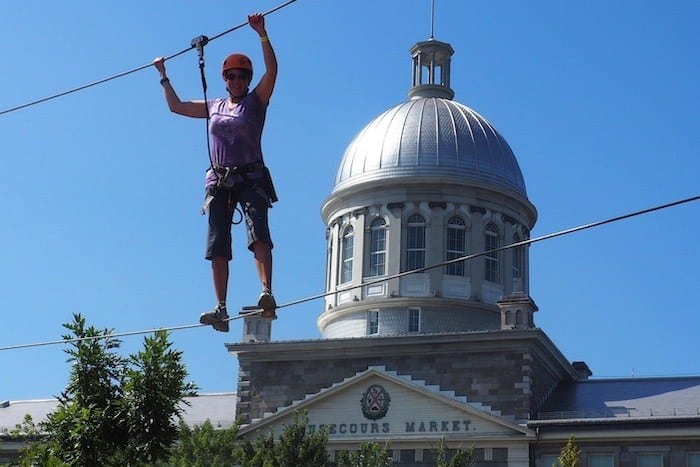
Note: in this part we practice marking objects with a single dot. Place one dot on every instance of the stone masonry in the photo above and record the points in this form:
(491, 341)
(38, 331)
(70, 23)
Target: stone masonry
(496, 368)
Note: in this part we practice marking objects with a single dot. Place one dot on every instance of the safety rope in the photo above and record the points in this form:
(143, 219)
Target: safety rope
(384, 279)
(199, 42)
(134, 70)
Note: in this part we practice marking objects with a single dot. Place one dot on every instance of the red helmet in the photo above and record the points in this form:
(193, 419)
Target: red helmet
(238, 61)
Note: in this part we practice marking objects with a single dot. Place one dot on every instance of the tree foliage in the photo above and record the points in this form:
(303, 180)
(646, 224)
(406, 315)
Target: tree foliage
(118, 411)
(370, 454)
(114, 410)
(154, 389)
(204, 446)
(458, 458)
(570, 454)
(296, 446)
(30, 433)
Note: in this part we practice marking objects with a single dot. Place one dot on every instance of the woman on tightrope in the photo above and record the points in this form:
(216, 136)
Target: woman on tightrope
(238, 174)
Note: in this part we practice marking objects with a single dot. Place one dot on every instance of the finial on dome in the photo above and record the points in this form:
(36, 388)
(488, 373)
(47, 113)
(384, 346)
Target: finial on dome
(431, 66)
(431, 70)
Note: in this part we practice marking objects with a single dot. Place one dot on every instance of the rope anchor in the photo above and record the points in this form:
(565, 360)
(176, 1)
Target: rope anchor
(199, 42)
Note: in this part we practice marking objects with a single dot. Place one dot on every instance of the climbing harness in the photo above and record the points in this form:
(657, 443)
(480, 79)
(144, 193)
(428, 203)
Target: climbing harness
(229, 177)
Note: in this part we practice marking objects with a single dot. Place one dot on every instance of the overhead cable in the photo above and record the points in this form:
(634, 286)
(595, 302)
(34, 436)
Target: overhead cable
(496, 250)
(384, 279)
(134, 70)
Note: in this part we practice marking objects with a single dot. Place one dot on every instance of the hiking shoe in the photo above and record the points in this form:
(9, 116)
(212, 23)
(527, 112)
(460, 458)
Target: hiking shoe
(218, 318)
(266, 302)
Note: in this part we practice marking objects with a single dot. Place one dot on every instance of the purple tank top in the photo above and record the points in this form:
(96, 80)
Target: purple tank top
(236, 131)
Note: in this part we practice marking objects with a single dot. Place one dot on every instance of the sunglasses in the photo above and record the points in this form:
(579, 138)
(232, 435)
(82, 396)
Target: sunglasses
(230, 76)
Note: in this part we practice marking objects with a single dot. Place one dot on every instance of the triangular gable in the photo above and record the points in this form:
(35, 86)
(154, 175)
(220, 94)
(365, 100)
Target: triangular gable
(377, 403)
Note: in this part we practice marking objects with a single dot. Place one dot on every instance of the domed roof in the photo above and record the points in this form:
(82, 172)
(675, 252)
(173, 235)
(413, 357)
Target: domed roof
(431, 137)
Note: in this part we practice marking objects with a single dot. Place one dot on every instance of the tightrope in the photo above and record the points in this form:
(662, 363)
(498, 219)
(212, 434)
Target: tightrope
(377, 281)
(133, 70)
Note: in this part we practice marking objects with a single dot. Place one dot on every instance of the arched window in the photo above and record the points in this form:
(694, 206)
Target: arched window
(456, 246)
(346, 255)
(415, 242)
(491, 258)
(377, 247)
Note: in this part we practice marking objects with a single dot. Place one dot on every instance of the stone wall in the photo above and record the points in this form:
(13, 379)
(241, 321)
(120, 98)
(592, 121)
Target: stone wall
(499, 375)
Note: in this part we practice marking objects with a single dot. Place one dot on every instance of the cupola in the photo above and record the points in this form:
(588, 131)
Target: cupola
(428, 180)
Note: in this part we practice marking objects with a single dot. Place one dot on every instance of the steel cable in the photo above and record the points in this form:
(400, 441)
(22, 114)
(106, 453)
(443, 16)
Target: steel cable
(384, 279)
(134, 70)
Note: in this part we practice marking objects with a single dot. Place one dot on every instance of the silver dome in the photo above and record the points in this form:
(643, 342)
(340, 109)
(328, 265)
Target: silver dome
(431, 136)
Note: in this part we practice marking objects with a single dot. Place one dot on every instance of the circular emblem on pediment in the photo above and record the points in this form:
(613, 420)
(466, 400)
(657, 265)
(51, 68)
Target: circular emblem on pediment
(375, 402)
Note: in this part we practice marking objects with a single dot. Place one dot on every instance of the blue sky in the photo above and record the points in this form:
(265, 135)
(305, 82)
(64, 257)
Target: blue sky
(100, 190)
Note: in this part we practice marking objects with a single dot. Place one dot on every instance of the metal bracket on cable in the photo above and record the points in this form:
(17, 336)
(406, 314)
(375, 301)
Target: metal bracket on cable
(199, 42)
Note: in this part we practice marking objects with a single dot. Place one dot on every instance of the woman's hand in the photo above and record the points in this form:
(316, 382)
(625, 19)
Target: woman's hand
(257, 22)
(159, 63)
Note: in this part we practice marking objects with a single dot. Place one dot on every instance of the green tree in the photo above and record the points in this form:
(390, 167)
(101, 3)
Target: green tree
(114, 410)
(458, 458)
(30, 433)
(296, 447)
(570, 454)
(370, 454)
(154, 392)
(204, 446)
(87, 427)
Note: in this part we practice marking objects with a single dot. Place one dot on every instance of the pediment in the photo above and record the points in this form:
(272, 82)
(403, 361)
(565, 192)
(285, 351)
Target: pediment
(377, 403)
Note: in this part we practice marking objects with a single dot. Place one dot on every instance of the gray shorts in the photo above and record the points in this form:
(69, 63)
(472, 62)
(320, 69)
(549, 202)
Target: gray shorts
(254, 207)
